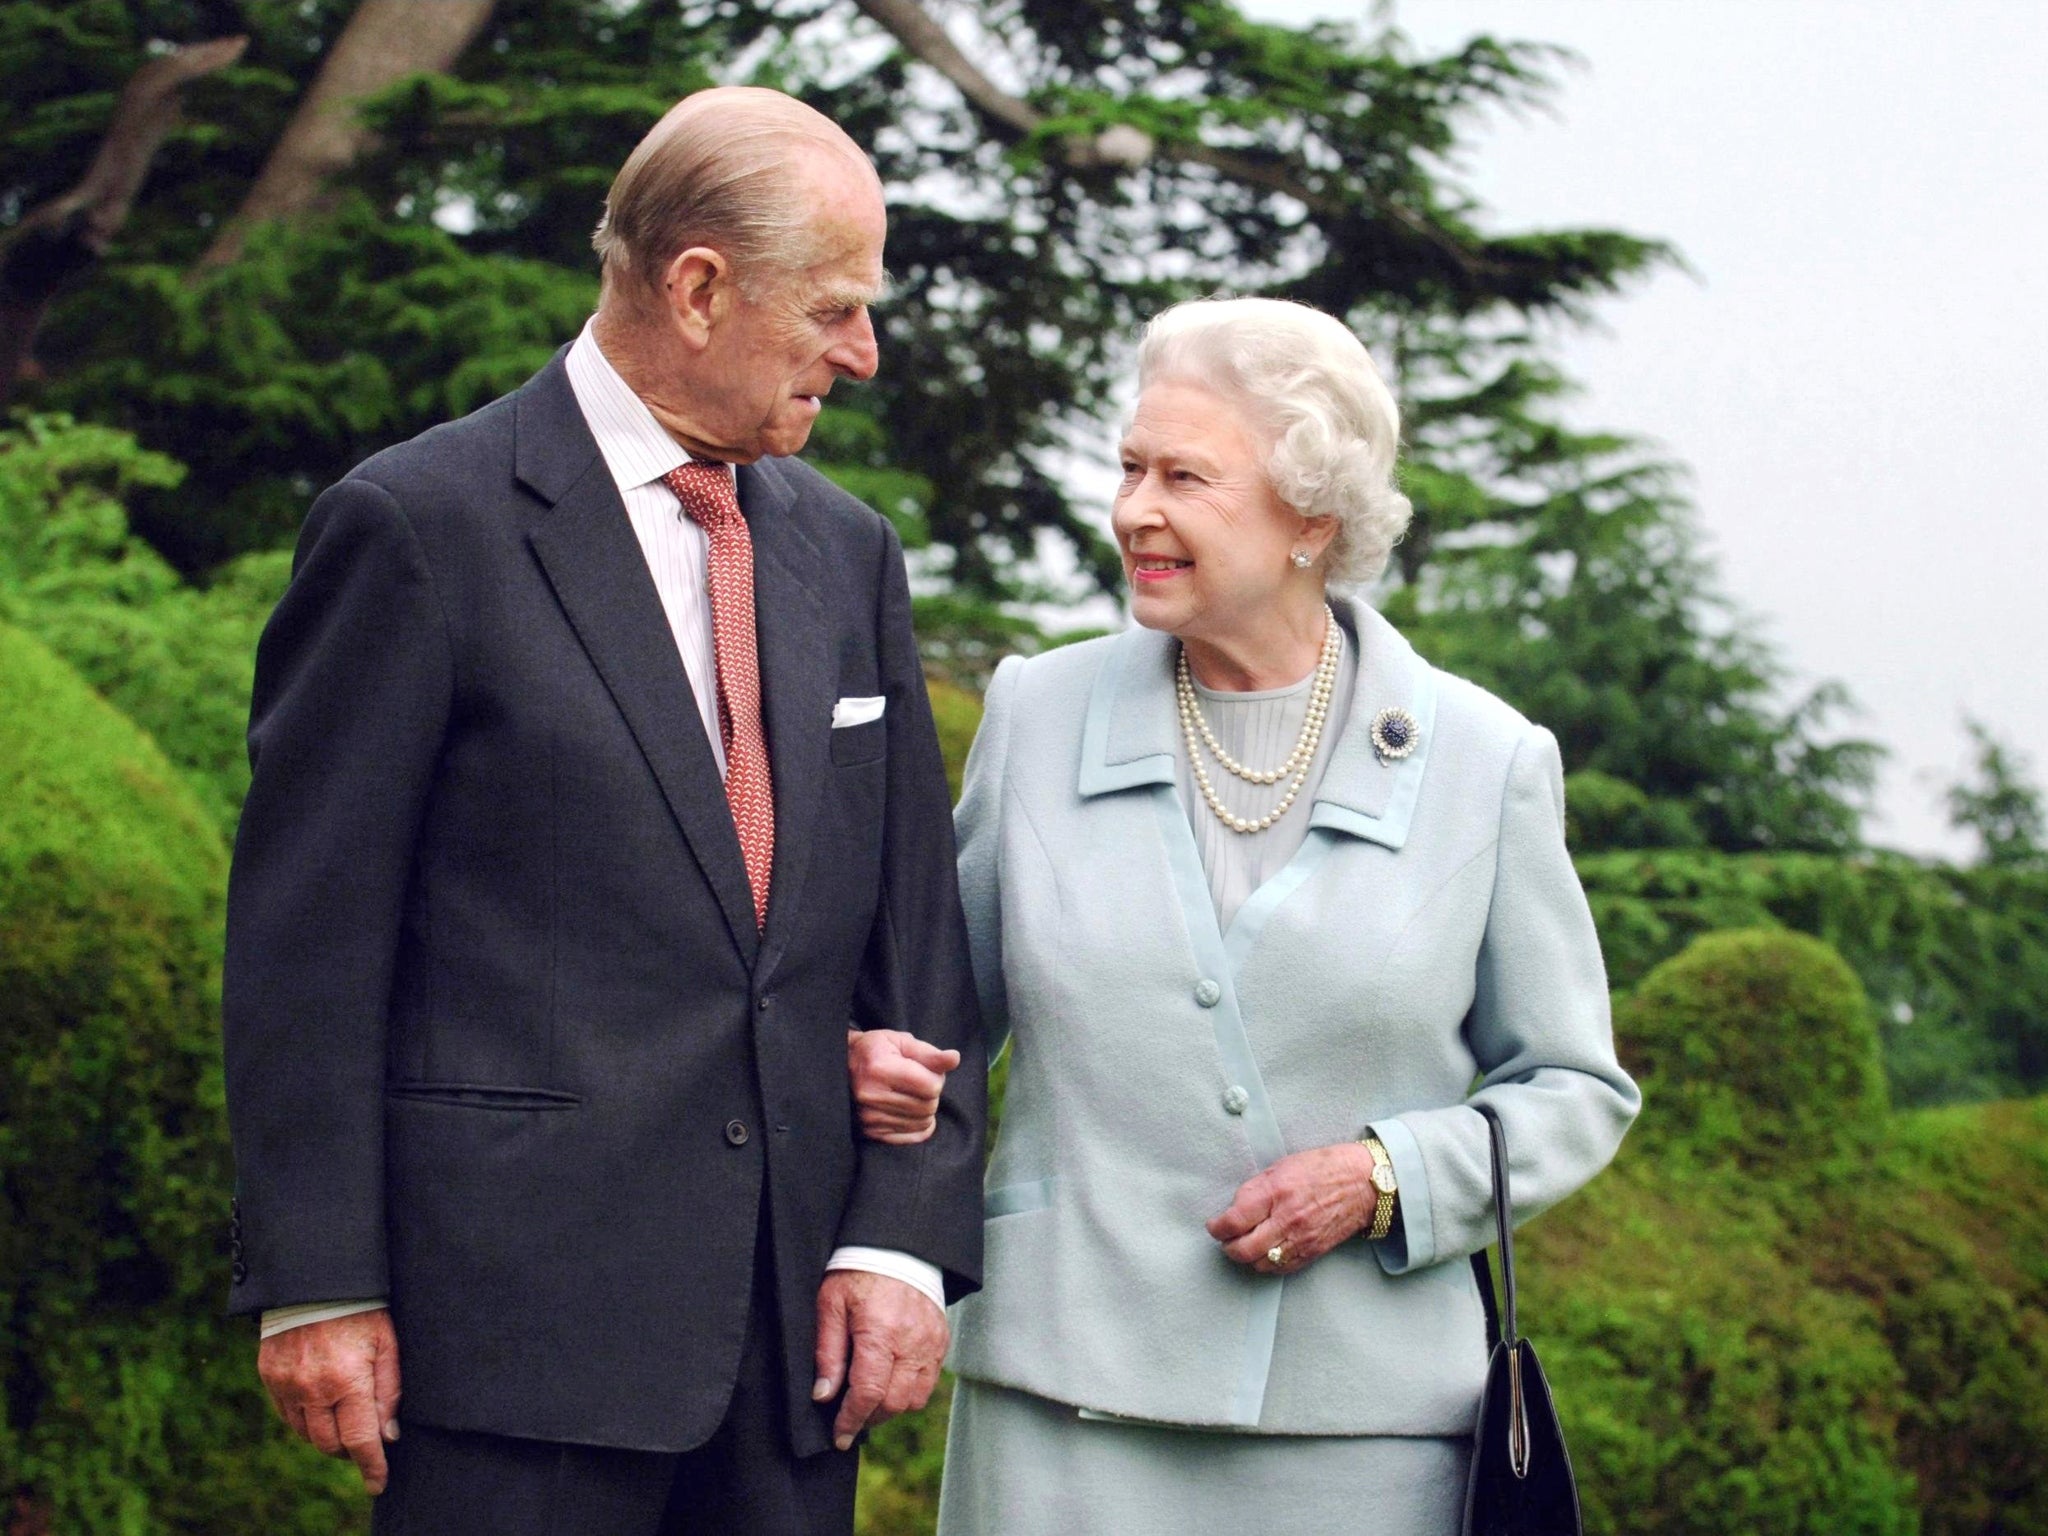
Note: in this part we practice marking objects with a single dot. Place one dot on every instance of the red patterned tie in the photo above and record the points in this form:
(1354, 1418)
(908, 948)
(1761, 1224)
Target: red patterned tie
(707, 494)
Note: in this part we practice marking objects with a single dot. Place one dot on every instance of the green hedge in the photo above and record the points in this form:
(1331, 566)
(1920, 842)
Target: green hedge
(1827, 1319)
(131, 1403)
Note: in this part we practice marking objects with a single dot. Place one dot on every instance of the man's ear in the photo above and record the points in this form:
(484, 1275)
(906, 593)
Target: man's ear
(698, 287)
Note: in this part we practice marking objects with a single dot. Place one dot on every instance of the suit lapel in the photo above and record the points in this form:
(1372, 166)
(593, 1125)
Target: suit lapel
(798, 680)
(586, 547)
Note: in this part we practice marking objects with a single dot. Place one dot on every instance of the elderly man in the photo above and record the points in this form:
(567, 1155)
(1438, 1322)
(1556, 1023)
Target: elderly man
(595, 793)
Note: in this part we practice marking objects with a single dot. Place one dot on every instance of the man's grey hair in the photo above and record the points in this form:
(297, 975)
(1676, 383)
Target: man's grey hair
(718, 170)
(1306, 379)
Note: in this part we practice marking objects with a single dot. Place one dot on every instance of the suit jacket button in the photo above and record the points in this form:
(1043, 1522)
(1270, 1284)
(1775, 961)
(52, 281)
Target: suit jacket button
(1235, 1100)
(736, 1133)
(240, 1271)
(1207, 993)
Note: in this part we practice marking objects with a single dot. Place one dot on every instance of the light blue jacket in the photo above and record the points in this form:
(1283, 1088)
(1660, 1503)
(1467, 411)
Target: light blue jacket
(1428, 944)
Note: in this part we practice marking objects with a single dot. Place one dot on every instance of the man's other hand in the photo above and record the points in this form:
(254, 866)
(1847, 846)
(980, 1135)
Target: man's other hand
(336, 1384)
(897, 1338)
(897, 1080)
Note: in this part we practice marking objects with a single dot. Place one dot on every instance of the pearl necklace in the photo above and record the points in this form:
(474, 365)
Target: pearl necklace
(1299, 761)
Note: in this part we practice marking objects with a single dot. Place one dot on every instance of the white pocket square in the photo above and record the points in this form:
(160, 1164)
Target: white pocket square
(857, 711)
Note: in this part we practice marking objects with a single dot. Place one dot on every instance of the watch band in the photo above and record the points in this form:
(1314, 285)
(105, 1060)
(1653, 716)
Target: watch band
(1389, 1195)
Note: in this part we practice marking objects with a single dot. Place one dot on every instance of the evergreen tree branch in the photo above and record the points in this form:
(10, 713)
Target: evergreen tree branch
(384, 42)
(72, 231)
(1127, 147)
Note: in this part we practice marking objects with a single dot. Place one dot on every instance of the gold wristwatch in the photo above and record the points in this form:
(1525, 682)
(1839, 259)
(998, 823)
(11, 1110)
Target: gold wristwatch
(1382, 1180)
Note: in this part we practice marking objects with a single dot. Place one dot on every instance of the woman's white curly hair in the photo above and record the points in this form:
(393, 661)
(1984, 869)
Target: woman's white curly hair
(1310, 382)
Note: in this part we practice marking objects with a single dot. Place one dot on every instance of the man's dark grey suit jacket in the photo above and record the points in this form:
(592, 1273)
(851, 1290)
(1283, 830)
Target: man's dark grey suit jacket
(502, 1041)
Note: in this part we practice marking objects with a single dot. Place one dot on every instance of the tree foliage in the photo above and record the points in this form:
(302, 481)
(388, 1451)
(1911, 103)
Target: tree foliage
(1956, 960)
(1999, 804)
(1307, 162)
(175, 656)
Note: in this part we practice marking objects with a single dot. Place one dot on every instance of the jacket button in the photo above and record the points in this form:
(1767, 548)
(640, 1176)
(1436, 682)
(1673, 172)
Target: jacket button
(240, 1271)
(1235, 1100)
(736, 1133)
(763, 1004)
(1207, 993)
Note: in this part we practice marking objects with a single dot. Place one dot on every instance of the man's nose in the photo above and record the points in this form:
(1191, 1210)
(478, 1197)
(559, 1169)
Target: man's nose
(857, 356)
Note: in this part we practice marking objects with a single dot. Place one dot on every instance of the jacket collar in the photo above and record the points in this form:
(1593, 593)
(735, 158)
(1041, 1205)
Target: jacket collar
(1132, 731)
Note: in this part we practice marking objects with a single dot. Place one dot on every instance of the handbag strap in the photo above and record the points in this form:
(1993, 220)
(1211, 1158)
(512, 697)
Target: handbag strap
(1502, 1206)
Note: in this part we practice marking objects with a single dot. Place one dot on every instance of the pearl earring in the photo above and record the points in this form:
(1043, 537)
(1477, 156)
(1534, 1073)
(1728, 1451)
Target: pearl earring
(1303, 559)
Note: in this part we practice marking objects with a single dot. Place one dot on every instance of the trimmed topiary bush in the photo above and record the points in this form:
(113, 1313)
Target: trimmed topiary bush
(1755, 1046)
(131, 1404)
(1955, 960)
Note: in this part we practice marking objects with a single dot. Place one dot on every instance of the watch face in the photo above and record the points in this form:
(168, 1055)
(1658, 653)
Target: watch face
(1383, 1178)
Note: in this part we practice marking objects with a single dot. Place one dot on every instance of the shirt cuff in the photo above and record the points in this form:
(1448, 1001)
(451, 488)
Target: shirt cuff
(279, 1319)
(897, 1266)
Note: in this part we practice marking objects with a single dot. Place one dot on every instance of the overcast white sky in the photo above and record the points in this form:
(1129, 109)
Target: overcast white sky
(1858, 373)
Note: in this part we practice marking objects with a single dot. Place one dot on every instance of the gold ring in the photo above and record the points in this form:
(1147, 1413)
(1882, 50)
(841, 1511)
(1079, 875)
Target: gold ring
(1277, 1255)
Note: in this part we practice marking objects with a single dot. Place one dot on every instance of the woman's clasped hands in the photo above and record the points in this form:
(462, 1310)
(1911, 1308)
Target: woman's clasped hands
(1298, 1209)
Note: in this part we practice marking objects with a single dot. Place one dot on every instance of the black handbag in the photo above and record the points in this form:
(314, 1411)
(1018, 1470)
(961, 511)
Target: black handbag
(1521, 1479)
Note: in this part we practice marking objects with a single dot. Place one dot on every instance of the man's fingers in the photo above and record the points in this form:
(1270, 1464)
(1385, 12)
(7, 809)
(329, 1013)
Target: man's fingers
(322, 1431)
(903, 1082)
(830, 1355)
(361, 1430)
(902, 1103)
(867, 1384)
(386, 1389)
(929, 1056)
(910, 1388)
(904, 1138)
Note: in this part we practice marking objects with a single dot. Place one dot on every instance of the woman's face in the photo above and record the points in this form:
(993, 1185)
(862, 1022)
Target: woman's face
(1207, 544)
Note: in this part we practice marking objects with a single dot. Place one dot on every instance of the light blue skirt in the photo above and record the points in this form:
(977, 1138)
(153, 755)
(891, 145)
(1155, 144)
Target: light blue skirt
(1019, 1465)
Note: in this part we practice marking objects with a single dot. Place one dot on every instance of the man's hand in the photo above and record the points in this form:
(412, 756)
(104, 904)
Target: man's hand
(897, 1338)
(897, 1080)
(336, 1384)
(1304, 1205)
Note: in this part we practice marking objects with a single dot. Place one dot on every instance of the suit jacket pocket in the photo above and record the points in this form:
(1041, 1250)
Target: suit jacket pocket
(859, 743)
(484, 1096)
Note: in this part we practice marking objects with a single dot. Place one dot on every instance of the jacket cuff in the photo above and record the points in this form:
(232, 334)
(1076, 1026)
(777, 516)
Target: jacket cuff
(1412, 1243)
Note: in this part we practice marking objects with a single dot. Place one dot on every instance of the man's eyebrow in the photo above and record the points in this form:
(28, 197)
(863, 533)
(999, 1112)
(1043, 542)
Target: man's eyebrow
(860, 295)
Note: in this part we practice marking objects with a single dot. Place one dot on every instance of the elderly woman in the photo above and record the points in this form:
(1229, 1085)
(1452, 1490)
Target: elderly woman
(1266, 904)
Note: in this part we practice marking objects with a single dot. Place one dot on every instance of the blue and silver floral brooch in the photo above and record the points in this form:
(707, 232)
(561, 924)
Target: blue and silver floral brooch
(1394, 734)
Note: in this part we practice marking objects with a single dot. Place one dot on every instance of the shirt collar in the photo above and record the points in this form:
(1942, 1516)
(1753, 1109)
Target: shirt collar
(636, 448)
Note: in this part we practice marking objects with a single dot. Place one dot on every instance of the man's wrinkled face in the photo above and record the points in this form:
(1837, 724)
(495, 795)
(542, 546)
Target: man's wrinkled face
(798, 332)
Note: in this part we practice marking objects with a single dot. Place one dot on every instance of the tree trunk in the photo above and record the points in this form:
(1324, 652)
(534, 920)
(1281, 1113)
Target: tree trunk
(71, 232)
(383, 43)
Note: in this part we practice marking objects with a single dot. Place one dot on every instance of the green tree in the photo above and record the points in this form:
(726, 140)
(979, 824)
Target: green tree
(1999, 804)
(1134, 154)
